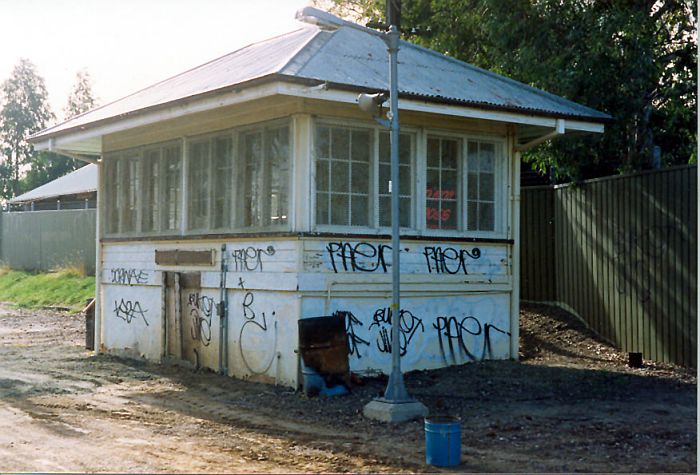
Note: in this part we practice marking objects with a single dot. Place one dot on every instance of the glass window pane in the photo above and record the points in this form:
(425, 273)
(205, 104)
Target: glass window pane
(360, 178)
(405, 212)
(405, 180)
(199, 185)
(449, 154)
(360, 146)
(486, 187)
(276, 205)
(384, 147)
(448, 215)
(322, 208)
(473, 157)
(449, 185)
(223, 182)
(384, 178)
(360, 211)
(472, 186)
(323, 142)
(322, 182)
(433, 152)
(433, 183)
(385, 211)
(172, 195)
(432, 214)
(472, 215)
(340, 144)
(340, 177)
(487, 158)
(486, 216)
(405, 149)
(339, 209)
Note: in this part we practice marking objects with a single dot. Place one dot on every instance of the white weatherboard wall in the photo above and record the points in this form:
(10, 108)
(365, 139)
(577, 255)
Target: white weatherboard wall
(455, 302)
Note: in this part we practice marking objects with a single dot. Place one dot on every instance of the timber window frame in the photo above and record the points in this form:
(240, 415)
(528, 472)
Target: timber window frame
(373, 190)
(195, 185)
(454, 180)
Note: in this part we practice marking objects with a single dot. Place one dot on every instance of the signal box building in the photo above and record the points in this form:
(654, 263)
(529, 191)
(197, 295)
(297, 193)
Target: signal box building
(250, 192)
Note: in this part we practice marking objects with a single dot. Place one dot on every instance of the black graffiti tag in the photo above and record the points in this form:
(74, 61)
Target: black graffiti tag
(201, 310)
(249, 313)
(250, 258)
(454, 330)
(127, 310)
(448, 260)
(353, 338)
(359, 257)
(128, 276)
(409, 324)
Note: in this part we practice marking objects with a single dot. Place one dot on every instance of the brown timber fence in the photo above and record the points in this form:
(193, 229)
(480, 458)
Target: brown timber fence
(621, 253)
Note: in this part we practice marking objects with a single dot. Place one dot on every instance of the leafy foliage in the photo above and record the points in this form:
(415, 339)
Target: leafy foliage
(81, 98)
(634, 59)
(25, 110)
(47, 166)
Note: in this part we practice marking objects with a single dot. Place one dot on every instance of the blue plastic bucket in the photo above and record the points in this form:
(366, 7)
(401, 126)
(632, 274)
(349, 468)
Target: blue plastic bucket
(443, 444)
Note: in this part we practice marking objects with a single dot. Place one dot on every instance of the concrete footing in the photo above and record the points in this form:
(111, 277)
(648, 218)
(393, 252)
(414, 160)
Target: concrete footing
(390, 411)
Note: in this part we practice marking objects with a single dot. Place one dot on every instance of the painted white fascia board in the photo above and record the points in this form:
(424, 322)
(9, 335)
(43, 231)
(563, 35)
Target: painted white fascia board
(194, 106)
(75, 141)
(350, 97)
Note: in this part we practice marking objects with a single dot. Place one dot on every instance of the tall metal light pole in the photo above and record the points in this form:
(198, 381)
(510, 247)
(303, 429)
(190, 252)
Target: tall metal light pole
(396, 405)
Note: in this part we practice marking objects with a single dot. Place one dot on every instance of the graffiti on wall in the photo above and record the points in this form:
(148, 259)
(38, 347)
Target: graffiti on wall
(369, 257)
(250, 259)
(358, 257)
(454, 333)
(409, 324)
(351, 326)
(128, 310)
(254, 320)
(201, 311)
(124, 276)
(448, 260)
(457, 339)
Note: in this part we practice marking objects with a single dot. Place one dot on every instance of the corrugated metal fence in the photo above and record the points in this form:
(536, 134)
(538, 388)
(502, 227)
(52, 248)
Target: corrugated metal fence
(621, 252)
(44, 240)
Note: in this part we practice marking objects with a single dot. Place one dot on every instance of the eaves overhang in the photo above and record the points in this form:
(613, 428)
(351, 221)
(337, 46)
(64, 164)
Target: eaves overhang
(86, 138)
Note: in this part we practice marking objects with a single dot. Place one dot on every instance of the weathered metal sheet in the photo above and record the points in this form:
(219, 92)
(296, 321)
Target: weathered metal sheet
(44, 240)
(82, 180)
(625, 258)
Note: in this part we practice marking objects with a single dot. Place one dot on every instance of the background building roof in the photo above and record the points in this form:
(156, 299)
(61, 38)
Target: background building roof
(82, 180)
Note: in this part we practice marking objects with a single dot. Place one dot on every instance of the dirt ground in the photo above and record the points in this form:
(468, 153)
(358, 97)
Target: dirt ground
(569, 405)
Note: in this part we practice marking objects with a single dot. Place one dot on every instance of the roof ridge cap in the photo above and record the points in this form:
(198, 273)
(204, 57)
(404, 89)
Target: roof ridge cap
(296, 53)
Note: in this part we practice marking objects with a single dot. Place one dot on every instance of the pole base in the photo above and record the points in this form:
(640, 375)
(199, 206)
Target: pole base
(392, 411)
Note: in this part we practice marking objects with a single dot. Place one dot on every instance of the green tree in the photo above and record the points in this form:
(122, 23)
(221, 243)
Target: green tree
(25, 110)
(81, 98)
(634, 59)
(47, 166)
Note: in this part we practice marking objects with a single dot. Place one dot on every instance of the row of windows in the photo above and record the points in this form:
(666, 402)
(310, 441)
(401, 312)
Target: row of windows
(344, 184)
(234, 180)
(240, 180)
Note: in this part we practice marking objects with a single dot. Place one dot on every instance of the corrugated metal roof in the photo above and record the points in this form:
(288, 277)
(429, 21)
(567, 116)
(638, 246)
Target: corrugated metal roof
(349, 57)
(82, 180)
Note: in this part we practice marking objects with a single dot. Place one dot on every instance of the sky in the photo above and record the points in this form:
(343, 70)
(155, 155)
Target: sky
(126, 45)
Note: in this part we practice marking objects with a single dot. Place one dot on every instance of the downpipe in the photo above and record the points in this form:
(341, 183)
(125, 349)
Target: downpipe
(222, 311)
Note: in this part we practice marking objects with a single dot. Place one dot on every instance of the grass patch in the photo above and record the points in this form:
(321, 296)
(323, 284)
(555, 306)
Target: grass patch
(67, 287)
